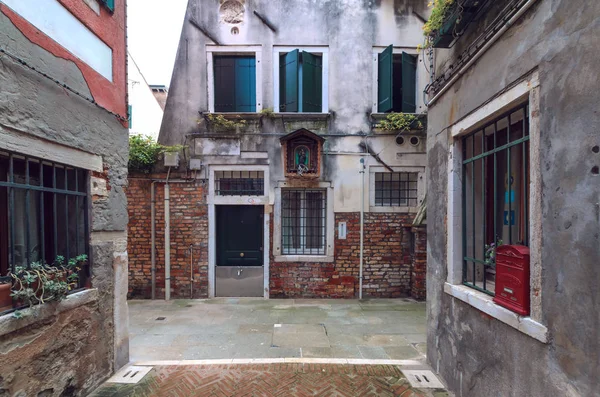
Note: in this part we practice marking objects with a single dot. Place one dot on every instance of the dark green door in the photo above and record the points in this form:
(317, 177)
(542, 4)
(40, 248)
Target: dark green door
(240, 235)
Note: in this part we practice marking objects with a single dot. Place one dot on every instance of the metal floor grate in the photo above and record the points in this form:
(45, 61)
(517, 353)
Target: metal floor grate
(130, 375)
(423, 379)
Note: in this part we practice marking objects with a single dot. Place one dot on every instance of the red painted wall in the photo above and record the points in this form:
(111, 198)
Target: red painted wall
(110, 28)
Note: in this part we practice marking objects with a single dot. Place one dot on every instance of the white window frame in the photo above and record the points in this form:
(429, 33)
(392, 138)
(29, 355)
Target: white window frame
(419, 75)
(329, 231)
(525, 90)
(324, 51)
(421, 186)
(212, 50)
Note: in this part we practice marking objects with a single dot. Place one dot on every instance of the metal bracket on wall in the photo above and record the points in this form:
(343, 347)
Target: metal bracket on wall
(204, 31)
(266, 22)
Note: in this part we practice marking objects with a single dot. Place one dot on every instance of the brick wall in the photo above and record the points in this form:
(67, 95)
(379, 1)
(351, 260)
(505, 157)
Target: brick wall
(387, 262)
(419, 263)
(189, 226)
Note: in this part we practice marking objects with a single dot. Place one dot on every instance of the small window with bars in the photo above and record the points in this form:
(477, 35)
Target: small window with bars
(303, 221)
(495, 195)
(43, 212)
(396, 189)
(239, 183)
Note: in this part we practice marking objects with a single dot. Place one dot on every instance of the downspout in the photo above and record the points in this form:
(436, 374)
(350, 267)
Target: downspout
(362, 221)
(153, 233)
(167, 239)
(482, 51)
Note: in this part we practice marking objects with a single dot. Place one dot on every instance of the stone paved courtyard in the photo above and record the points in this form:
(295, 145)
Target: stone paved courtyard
(244, 328)
(285, 380)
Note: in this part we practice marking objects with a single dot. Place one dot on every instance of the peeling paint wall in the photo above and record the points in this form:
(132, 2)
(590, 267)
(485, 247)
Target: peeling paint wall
(476, 354)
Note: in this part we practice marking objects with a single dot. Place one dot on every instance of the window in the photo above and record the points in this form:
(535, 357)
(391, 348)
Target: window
(495, 196)
(110, 4)
(235, 83)
(239, 183)
(396, 189)
(303, 216)
(396, 82)
(43, 211)
(300, 82)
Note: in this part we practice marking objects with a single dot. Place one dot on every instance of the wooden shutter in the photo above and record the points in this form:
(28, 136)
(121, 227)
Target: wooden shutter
(224, 68)
(110, 4)
(409, 83)
(312, 83)
(288, 81)
(385, 80)
(245, 84)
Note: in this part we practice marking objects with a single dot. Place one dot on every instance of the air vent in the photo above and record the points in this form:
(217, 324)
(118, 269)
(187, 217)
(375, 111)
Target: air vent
(130, 375)
(423, 379)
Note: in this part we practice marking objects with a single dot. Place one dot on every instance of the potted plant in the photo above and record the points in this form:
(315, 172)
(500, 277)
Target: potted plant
(5, 298)
(490, 253)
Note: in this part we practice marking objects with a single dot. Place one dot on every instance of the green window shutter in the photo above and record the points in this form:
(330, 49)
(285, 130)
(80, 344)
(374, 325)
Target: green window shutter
(245, 84)
(224, 70)
(312, 83)
(110, 4)
(288, 81)
(385, 80)
(409, 83)
(130, 115)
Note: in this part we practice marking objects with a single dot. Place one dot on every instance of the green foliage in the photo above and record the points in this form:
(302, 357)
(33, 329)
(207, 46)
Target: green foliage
(438, 14)
(267, 112)
(144, 152)
(41, 283)
(400, 122)
(220, 122)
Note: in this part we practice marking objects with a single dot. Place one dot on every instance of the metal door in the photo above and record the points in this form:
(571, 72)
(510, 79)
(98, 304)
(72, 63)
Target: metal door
(239, 259)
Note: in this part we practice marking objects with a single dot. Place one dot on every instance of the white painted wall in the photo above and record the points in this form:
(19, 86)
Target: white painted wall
(146, 112)
(59, 24)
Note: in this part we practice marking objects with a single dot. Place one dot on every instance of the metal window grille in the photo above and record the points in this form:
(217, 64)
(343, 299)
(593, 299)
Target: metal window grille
(303, 221)
(239, 183)
(495, 195)
(394, 189)
(43, 212)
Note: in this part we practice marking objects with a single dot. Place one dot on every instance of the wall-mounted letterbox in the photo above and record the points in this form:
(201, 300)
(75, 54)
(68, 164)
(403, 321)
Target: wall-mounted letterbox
(512, 278)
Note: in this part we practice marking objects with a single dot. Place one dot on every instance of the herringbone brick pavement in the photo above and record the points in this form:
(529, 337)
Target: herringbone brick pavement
(269, 380)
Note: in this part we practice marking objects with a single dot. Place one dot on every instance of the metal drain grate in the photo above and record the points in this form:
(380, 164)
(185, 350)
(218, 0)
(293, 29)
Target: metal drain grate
(160, 318)
(130, 375)
(423, 379)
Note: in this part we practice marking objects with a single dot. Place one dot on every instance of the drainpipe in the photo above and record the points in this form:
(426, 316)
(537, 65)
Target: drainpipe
(482, 51)
(153, 233)
(167, 239)
(362, 221)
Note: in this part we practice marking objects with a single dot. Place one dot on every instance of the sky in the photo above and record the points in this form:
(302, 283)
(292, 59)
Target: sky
(153, 30)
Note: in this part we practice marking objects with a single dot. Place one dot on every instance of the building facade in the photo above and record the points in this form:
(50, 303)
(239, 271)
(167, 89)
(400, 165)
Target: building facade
(145, 110)
(513, 143)
(63, 168)
(278, 105)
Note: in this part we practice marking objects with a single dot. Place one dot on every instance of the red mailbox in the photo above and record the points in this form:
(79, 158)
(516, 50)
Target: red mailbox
(512, 278)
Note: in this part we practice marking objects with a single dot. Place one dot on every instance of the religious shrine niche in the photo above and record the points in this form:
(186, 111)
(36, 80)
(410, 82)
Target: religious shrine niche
(302, 151)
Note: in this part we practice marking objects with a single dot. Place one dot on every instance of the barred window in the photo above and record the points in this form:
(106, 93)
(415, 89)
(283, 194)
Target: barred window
(43, 212)
(495, 196)
(303, 221)
(239, 183)
(393, 189)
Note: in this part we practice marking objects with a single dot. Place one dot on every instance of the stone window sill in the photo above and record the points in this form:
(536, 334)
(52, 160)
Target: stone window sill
(38, 313)
(398, 209)
(303, 258)
(484, 302)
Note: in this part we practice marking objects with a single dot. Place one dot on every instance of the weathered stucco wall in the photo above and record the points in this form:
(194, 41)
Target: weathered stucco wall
(73, 351)
(478, 355)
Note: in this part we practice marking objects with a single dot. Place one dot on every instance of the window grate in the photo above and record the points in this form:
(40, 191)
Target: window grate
(495, 194)
(239, 183)
(43, 212)
(393, 189)
(303, 221)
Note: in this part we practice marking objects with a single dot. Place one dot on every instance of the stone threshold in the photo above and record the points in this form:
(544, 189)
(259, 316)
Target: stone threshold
(293, 360)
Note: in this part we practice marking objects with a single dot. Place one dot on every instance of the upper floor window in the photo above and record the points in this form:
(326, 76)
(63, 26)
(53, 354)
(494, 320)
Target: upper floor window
(110, 4)
(301, 79)
(235, 83)
(396, 82)
(495, 196)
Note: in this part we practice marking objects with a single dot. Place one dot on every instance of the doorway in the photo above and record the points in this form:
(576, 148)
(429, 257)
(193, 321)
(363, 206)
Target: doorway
(239, 263)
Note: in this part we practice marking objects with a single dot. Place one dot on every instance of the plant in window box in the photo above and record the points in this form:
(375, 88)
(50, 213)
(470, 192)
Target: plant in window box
(490, 253)
(400, 122)
(42, 283)
(220, 123)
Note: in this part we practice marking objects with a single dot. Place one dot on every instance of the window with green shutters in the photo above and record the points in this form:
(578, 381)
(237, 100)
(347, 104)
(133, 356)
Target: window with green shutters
(396, 82)
(235, 83)
(110, 4)
(300, 82)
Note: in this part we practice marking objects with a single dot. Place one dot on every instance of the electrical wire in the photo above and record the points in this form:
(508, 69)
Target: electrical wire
(63, 85)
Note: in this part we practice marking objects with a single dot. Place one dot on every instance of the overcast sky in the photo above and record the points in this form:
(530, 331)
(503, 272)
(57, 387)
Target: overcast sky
(153, 30)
